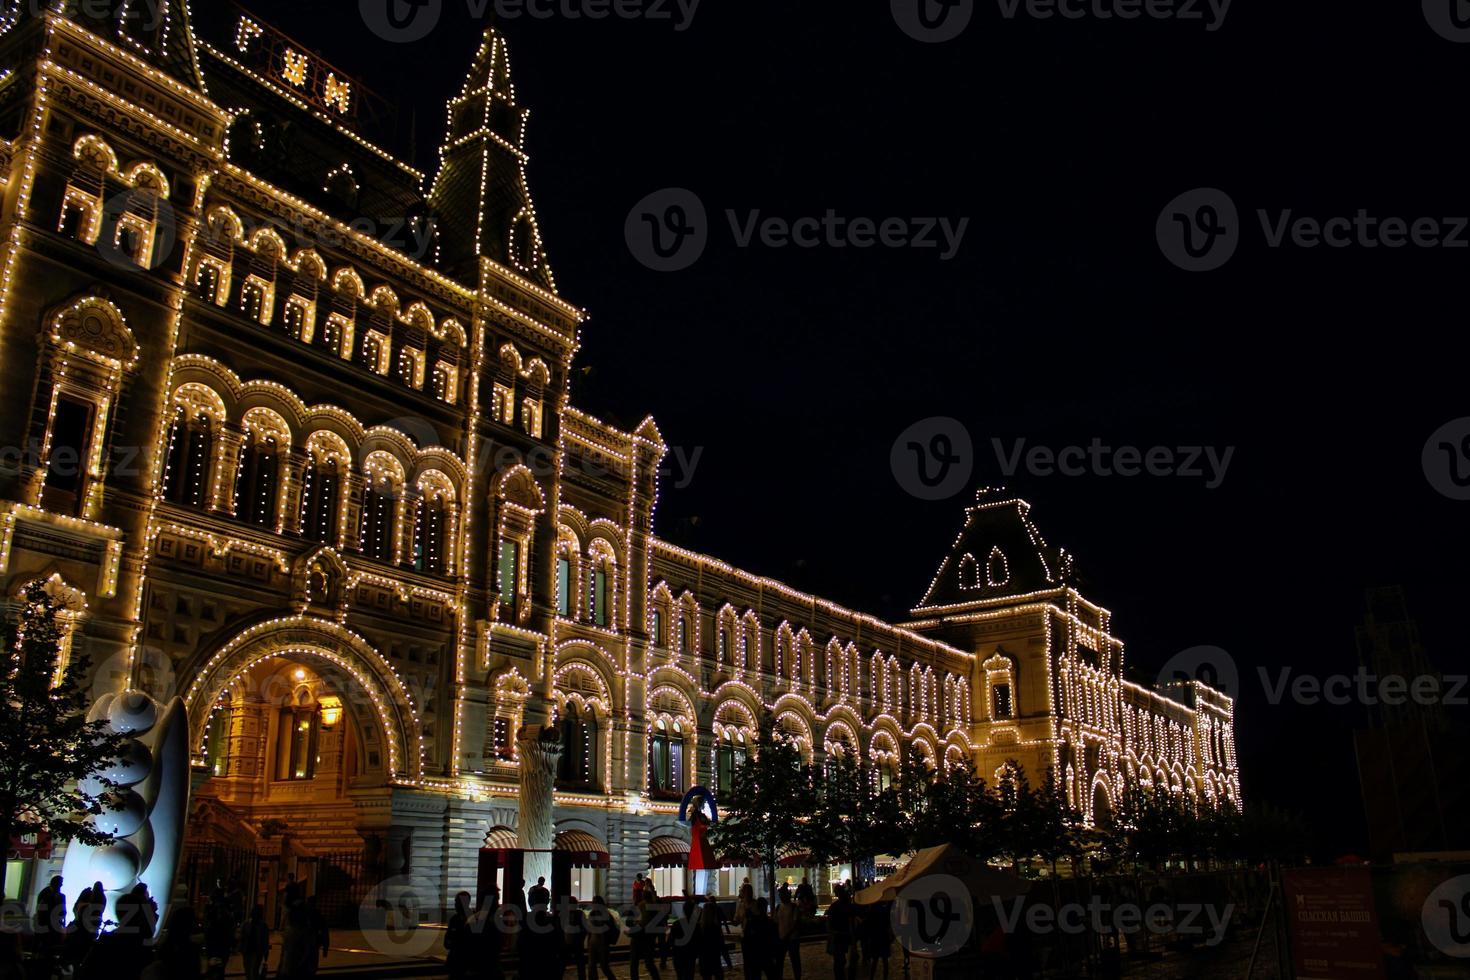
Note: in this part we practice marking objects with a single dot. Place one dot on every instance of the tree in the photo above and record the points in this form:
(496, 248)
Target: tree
(851, 818)
(47, 746)
(953, 807)
(760, 813)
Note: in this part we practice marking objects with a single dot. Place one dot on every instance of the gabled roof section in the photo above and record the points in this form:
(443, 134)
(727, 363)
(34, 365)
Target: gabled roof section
(997, 555)
(157, 31)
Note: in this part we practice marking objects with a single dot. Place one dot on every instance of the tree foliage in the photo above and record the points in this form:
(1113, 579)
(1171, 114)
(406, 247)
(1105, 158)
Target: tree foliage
(769, 792)
(47, 746)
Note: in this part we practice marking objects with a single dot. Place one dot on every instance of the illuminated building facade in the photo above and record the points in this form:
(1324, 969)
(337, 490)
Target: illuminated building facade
(296, 445)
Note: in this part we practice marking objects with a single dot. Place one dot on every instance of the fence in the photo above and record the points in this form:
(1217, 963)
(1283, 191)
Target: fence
(209, 865)
(341, 886)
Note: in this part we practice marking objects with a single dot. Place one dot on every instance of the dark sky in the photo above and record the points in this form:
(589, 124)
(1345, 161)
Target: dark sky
(1060, 320)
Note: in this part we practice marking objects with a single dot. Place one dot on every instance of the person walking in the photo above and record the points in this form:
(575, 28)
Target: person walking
(516, 897)
(788, 935)
(758, 943)
(539, 896)
(684, 938)
(457, 937)
(255, 944)
(743, 901)
(49, 925)
(575, 933)
(219, 934)
(179, 949)
(839, 933)
(644, 939)
(711, 941)
(877, 937)
(603, 933)
(86, 922)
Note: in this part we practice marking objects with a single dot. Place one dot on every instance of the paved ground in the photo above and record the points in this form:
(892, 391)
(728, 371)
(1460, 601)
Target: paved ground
(421, 953)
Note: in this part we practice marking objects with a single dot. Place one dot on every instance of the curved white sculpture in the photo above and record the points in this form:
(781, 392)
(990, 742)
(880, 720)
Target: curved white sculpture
(536, 831)
(148, 825)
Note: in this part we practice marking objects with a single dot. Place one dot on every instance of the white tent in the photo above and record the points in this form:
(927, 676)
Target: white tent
(979, 878)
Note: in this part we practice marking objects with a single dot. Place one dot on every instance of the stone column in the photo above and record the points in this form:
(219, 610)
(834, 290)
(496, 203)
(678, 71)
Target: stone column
(539, 754)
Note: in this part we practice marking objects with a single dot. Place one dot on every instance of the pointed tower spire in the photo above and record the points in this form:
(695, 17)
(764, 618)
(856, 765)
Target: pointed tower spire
(480, 193)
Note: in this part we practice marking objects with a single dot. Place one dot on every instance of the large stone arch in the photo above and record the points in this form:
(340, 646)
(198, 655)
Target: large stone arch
(375, 689)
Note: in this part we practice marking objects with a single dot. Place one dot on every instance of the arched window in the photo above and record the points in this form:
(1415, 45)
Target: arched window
(321, 489)
(666, 758)
(190, 451)
(730, 755)
(578, 763)
(379, 501)
(258, 479)
(600, 584)
(428, 552)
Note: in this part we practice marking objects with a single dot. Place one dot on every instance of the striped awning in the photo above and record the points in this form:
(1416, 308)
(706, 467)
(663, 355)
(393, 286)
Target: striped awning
(794, 857)
(501, 839)
(739, 861)
(668, 852)
(586, 851)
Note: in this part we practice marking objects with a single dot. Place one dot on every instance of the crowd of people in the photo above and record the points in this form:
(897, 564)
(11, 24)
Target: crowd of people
(193, 945)
(520, 927)
(692, 933)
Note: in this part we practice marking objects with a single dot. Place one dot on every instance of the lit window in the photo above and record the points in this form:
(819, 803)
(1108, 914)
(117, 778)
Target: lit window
(1002, 699)
(509, 560)
(563, 587)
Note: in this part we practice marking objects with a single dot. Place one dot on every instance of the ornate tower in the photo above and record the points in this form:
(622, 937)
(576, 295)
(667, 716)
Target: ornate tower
(480, 193)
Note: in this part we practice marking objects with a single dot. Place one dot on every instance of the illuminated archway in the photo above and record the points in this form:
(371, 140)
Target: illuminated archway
(368, 682)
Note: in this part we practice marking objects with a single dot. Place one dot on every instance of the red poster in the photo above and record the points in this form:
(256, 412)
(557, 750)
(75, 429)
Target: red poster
(27, 846)
(1334, 925)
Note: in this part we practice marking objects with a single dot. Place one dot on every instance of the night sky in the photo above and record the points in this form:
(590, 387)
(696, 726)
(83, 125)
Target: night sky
(792, 371)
